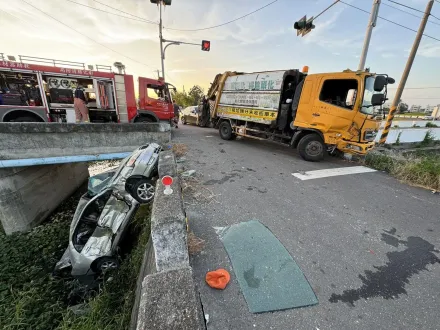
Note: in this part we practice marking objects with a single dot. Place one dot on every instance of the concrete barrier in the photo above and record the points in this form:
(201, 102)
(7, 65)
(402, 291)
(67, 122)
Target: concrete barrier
(39, 140)
(29, 194)
(166, 296)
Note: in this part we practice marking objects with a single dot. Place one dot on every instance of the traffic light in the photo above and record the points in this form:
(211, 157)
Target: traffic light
(304, 26)
(206, 45)
(165, 2)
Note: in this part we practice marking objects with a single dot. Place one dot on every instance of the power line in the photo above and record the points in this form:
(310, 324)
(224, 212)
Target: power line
(108, 12)
(35, 27)
(234, 20)
(416, 87)
(409, 7)
(124, 12)
(404, 11)
(415, 9)
(403, 26)
(84, 35)
(322, 12)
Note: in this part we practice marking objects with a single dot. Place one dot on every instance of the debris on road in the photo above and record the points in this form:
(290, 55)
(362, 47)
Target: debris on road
(188, 173)
(195, 244)
(180, 149)
(196, 191)
(218, 279)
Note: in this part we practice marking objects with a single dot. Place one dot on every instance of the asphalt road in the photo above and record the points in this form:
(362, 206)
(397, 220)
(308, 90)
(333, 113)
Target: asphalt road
(367, 243)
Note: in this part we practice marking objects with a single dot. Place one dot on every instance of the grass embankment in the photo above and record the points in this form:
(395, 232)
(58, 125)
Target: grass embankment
(31, 299)
(419, 169)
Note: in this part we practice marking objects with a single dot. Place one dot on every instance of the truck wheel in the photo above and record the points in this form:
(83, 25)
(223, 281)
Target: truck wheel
(225, 131)
(311, 148)
(145, 120)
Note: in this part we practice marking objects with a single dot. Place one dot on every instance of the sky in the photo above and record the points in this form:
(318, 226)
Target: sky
(262, 41)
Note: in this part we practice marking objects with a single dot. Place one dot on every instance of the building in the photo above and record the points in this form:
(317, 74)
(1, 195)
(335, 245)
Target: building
(415, 108)
(430, 109)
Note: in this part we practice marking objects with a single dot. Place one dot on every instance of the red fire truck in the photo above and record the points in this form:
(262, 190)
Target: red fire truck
(32, 92)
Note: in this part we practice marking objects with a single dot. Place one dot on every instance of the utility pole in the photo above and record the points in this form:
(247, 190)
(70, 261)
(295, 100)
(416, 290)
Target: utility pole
(206, 44)
(370, 26)
(405, 74)
(162, 57)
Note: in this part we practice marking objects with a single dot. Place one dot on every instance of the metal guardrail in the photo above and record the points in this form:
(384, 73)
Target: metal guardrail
(32, 59)
(103, 68)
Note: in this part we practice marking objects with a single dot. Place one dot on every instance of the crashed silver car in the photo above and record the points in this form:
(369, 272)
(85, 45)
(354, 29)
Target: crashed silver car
(105, 211)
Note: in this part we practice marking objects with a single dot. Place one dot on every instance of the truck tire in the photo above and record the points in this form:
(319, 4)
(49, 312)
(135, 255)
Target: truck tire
(311, 148)
(28, 119)
(225, 131)
(144, 119)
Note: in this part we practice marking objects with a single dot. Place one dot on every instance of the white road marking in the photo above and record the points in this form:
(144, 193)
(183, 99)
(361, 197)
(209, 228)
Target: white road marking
(310, 175)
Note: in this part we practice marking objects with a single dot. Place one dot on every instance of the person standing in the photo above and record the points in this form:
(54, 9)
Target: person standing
(80, 105)
(176, 113)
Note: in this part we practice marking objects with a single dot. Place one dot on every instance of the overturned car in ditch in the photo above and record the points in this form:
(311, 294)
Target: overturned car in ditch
(104, 213)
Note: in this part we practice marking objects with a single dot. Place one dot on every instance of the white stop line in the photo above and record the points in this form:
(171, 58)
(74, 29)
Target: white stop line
(318, 174)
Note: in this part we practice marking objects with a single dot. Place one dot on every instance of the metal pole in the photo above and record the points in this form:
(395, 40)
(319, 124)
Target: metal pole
(405, 74)
(161, 40)
(370, 26)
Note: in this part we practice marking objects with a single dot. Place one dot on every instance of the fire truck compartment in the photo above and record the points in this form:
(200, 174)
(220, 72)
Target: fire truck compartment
(99, 94)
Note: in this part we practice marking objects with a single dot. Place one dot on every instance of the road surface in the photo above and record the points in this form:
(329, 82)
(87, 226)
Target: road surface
(367, 243)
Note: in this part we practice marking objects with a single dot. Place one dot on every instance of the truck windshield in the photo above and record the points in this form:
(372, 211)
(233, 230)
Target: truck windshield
(367, 108)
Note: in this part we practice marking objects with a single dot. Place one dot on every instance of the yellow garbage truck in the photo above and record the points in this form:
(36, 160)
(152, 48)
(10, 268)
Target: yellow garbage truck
(314, 113)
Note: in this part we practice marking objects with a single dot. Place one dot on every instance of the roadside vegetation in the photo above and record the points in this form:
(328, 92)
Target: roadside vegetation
(421, 169)
(30, 298)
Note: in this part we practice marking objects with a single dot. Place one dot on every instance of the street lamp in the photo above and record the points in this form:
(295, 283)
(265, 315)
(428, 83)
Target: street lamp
(206, 44)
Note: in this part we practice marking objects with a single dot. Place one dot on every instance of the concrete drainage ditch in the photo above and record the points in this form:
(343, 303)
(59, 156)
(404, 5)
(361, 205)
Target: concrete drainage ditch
(166, 295)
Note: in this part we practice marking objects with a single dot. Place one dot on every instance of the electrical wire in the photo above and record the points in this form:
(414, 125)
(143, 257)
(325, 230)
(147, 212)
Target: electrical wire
(36, 28)
(404, 11)
(215, 26)
(124, 12)
(322, 12)
(409, 7)
(108, 12)
(416, 87)
(403, 26)
(84, 35)
(415, 9)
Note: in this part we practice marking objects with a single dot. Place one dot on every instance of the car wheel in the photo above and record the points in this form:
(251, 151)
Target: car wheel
(225, 131)
(183, 121)
(311, 148)
(143, 191)
(105, 264)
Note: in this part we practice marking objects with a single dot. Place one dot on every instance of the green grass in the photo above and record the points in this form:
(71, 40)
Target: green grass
(111, 309)
(420, 169)
(31, 299)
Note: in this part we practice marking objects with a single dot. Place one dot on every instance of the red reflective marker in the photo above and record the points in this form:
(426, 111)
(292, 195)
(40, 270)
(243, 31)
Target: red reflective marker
(167, 181)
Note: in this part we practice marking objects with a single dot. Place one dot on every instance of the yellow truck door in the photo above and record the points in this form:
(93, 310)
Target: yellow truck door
(324, 105)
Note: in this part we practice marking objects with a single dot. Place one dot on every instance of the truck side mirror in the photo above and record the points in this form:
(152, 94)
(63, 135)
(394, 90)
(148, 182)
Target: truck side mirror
(377, 99)
(379, 83)
(351, 97)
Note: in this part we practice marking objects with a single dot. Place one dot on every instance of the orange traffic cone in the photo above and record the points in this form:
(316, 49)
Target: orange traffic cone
(218, 279)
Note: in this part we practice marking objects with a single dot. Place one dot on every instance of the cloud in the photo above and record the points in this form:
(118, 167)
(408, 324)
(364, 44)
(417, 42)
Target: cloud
(388, 55)
(431, 50)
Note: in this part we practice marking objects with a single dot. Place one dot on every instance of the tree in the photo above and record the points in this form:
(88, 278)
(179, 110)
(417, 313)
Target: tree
(184, 99)
(196, 94)
(402, 107)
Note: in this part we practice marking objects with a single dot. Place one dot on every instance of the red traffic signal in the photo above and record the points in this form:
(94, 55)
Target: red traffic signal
(206, 45)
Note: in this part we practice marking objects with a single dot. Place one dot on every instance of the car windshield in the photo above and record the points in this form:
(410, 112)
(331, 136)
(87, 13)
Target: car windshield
(99, 182)
(367, 108)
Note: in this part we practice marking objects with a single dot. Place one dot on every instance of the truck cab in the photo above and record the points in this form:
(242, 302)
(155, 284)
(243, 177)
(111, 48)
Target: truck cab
(317, 113)
(155, 102)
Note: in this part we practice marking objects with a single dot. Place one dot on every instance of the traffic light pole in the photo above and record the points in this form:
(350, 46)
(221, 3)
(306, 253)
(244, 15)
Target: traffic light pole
(405, 74)
(162, 51)
(371, 25)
